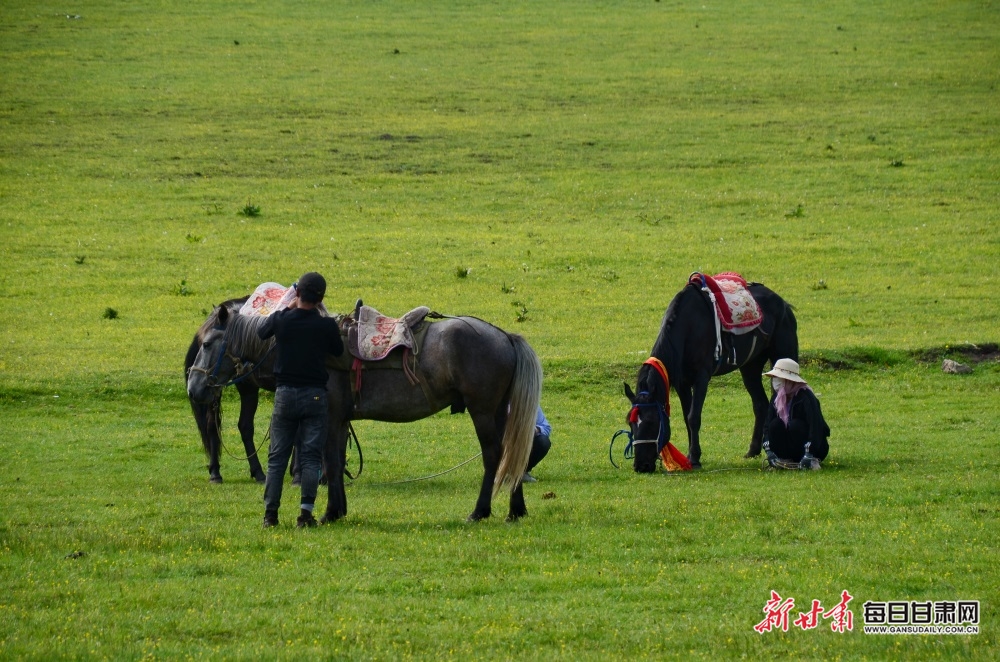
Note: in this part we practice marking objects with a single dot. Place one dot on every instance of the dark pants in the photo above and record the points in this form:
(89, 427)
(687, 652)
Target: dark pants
(300, 417)
(790, 443)
(539, 449)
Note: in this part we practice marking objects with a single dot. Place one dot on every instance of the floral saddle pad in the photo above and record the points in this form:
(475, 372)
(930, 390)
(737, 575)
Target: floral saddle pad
(270, 298)
(738, 311)
(372, 335)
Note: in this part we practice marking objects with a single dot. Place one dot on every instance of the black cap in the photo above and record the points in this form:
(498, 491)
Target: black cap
(311, 287)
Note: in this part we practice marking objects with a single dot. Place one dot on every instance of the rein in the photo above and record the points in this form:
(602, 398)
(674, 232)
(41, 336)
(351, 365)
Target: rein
(633, 416)
(256, 451)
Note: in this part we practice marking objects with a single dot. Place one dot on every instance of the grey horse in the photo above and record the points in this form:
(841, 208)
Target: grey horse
(464, 363)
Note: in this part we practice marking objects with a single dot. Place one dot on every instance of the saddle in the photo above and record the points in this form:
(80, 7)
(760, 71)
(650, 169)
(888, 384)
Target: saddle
(370, 338)
(736, 309)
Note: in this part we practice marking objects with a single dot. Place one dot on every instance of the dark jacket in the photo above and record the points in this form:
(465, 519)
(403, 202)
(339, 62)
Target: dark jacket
(304, 339)
(805, 407)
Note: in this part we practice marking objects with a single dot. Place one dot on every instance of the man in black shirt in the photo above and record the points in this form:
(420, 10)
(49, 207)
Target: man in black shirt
(304, 338)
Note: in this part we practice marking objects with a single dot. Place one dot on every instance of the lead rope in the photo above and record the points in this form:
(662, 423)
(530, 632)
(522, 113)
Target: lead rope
(441, 473)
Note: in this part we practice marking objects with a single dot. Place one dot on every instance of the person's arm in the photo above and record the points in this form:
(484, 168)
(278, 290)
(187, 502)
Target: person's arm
(336, 346)
(266, 330)
(765, 441)
(542, 425)
(818, 429)
(768, 417)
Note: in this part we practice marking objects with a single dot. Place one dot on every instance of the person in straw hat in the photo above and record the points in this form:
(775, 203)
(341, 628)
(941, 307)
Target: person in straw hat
(794, 429)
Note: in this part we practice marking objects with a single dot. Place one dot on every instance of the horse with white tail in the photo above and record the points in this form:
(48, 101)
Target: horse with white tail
(462, 362)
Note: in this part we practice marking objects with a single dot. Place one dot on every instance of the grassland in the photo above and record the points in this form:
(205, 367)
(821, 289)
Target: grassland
(579, 161)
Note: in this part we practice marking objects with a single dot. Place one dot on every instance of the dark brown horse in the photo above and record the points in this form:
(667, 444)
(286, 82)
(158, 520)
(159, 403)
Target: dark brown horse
(208, 415)
(464, 363)
(687, 348)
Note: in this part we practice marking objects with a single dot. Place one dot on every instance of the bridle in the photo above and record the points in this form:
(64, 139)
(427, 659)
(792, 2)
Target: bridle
(633, 417)
(241, 369)
(661, 435)
(662, 409)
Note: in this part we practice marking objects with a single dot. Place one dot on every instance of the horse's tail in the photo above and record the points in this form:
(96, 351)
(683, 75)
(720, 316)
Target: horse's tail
(519, 432)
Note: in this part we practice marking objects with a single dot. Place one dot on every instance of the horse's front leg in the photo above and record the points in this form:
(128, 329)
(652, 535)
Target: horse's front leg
(758, 396)
(333, 460)
(209, 418)
(249, 399)
(685, 393)
(698, 394)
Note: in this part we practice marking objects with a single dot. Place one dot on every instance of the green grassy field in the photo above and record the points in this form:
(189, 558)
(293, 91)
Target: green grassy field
(575, 162)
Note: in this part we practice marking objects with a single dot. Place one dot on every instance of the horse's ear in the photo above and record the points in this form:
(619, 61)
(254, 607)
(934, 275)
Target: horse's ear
(629, 394)
(223, 313)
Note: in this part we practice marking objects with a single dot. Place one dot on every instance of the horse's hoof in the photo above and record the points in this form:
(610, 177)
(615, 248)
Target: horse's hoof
(476, 517)
(751, 454)
(215, 479)
(513, 517)
(259, 479)
(330, 518)
(696, 465)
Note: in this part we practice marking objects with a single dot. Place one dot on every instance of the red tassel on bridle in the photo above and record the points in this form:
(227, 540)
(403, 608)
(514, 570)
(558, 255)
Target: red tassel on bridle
(662, 369)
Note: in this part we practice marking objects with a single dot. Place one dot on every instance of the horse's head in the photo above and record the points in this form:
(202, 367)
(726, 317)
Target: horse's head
(648, 419)
(214, 366)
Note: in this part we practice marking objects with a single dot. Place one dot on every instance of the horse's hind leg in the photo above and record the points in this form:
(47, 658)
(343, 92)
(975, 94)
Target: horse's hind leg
(751, 372)
(334, 459)
(249, 399)
(488, 430)
(518, 509)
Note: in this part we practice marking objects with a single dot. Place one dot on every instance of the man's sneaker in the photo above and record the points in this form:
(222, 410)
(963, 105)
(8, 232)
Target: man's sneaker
(306, 519)
(270, 518)
(528, 478)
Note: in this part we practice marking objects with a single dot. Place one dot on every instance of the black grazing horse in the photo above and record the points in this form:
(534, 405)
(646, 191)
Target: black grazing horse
(464, 363)
(208, 415)
(687, 346)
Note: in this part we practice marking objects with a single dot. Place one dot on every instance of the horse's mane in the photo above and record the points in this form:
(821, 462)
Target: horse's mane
(241, 334)
(233, 306)
(670, 316)
(670, 352)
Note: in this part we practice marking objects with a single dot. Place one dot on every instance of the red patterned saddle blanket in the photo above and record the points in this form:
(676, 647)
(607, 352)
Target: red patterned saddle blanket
(270, 298)
(737, 310)
(372, 335)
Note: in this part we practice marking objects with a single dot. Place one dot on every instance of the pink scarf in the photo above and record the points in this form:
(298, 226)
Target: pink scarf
(785, 395)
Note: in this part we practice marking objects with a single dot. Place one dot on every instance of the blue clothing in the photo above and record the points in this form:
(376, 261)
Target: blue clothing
(542, 423)
(541, 443)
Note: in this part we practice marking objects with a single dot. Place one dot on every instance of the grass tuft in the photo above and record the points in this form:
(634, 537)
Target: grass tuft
(250, 210)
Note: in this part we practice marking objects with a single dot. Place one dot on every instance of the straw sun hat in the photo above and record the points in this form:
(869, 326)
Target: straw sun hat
(786, 369)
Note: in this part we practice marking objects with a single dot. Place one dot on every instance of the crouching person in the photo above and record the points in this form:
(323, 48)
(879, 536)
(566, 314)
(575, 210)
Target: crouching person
(795, 433)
